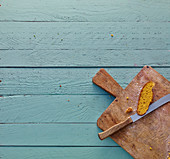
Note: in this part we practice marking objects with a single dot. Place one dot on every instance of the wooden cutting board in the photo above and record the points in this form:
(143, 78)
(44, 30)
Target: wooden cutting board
(150, 131)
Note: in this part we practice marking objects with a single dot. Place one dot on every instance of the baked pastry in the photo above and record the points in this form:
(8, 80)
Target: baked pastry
(145, 98)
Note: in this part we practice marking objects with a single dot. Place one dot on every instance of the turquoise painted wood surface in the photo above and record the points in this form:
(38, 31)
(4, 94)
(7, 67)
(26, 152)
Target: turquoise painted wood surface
(45, 44)
(59, 134)
(84, 58)
(85, 10)
(63, 152)
(80, 109)
(73, 81)
(85, 35)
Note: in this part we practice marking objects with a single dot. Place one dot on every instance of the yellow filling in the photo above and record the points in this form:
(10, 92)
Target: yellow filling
(145, 98)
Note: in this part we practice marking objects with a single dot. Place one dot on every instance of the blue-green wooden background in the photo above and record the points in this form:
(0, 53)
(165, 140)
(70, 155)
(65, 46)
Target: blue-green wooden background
(48, 43)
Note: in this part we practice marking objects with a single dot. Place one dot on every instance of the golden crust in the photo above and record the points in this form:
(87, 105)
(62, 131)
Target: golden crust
(145, 98)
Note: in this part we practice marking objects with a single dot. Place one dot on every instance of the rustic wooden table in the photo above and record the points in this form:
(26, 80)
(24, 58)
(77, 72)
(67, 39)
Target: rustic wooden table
(49, 52)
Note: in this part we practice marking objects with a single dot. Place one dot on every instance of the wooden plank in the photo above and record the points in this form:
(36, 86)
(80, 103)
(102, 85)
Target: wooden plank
(16, 81)
(36, 109)
(85, 10)
(96, 35)
(52, 134)
(79, 57)
(63, 153)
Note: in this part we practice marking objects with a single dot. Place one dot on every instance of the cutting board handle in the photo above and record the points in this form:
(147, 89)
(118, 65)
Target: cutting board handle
(106, 82)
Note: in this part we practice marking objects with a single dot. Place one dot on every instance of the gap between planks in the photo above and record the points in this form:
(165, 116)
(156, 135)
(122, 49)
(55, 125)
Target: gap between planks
(59, 21)
(38, 123)
(145, 49)
(52, 146)
(71, 67)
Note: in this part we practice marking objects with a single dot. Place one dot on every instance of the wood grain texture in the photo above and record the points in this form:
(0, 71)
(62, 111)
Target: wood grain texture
(52, 134)
(106, 82)
(115, 128)
(85, 10)
(63, 153)
(150, 131)
(82, 58)
(96, 35)
(53, 109)
(45, 81)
